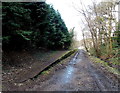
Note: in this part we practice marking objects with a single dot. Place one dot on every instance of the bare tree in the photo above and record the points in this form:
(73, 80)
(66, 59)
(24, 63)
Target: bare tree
(100, 20)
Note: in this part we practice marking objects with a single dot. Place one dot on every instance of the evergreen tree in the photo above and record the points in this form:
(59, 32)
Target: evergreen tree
(34, 24)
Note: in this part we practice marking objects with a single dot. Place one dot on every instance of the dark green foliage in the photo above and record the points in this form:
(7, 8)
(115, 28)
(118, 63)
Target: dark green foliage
(34, 24)
(15, 20)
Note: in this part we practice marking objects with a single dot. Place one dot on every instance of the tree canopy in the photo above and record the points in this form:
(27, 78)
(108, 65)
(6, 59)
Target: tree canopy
(33, 24)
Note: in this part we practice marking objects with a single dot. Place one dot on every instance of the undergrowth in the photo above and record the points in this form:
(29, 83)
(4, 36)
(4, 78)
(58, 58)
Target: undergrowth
(111, 58)
(106, 65)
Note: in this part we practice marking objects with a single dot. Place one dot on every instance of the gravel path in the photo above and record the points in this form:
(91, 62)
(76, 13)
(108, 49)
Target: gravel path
(78, 75)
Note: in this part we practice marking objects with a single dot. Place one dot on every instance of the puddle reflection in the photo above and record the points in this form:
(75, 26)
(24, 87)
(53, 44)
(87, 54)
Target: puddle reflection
(67, 75)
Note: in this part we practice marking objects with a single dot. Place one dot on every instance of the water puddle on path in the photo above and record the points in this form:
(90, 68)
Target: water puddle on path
(68, 73)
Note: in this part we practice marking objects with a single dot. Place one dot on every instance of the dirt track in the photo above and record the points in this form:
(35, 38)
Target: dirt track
(78, 75)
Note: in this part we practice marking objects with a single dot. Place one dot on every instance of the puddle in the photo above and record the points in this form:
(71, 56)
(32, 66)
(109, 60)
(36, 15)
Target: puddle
(68, 73)
(73, 61)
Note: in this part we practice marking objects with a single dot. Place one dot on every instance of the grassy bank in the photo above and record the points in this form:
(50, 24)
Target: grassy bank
(105, 65)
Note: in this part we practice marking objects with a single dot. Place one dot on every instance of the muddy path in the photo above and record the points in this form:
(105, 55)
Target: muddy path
(78, 75)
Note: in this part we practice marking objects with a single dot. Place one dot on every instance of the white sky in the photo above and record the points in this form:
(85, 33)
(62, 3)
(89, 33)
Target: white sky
(70, 16)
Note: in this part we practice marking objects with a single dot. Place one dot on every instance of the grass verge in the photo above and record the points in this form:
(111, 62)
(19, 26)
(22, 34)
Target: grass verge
(112, 70)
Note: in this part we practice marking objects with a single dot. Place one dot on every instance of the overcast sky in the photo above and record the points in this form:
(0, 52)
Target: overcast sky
(70, 16)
